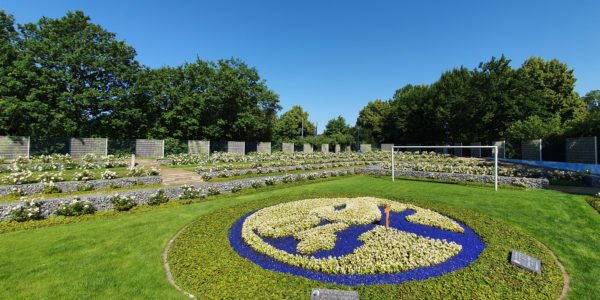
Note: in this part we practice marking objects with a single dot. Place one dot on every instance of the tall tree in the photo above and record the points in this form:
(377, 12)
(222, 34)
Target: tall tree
(82, 73)
(370, 121)
(289, 125)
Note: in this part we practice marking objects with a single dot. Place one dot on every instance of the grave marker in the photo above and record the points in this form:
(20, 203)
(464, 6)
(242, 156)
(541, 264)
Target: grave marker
(323, 294)
(525, 261)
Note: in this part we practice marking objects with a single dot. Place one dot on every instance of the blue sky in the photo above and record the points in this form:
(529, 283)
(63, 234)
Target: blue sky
(332, 57)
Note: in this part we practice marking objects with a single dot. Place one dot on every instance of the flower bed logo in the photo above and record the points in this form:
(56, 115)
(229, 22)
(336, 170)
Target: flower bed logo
(345, 240)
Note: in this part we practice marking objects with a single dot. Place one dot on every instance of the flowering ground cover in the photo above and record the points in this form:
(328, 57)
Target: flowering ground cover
(118, 255)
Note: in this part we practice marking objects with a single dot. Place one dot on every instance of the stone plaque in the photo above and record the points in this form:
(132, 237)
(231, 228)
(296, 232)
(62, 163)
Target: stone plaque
(525, 261)
(321, 294)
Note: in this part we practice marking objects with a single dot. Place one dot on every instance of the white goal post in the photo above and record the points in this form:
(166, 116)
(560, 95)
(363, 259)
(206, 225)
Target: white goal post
(494, 150)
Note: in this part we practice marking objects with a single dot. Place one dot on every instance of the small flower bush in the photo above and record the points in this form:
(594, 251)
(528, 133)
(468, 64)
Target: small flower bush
(20, 177)
(84, 175)
(212, 191)
(76, 207)
(16, 192)
(50, 177)
(141, 171)
(270, 181)
(50, 188)
(158, 198)
(30, 210)
(236, 188)
(87, 186)
(122, 203)
(108, 174)
(257, 184)
(189, 192)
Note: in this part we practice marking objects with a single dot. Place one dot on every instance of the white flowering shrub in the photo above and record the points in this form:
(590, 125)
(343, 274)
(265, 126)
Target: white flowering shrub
(84, 175)
(236, 188)
(158, 198)
(122, 203)
(50, 177)
(86, 186)
(30, 210)
(16, 192)
(138, 171)
(75, 207)
(189, 192)
(50, 188)
(212, 191)
(108, 174)
(20, 177)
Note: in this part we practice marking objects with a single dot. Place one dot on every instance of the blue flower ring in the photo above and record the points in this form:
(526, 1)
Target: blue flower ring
(344, 240)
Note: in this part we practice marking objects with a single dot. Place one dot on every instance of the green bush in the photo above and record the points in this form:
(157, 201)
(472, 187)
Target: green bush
(27, 211)
(158, 198)
(75, 208)
(212, 191)
(236, 188)
(82, 187)
(50, 188)
(122, 203)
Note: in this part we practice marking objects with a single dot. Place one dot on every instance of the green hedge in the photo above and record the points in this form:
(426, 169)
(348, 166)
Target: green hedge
(204, 264)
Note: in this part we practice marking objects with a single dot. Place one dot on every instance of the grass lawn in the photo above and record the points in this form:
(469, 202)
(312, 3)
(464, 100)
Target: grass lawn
(120, 257)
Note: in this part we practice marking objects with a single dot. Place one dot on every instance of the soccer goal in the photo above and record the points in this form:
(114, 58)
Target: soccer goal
(494, 150)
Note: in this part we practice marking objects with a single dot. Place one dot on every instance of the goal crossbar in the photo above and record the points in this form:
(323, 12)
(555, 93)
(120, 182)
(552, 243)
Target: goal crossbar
(494, 150)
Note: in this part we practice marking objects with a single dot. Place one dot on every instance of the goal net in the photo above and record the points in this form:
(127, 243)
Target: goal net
(419, 148)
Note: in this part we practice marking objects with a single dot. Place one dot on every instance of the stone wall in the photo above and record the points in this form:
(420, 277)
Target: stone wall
(307, 148)
(532, 183)
(582, 150)
(531, 149)
(12, 147)
(387, 147)
(198, 147)
(149, 148)
(80, 147)
(236, 147)
(501, 148)
(263, 147)
(287, 147)
(102, 201)
(71, 186)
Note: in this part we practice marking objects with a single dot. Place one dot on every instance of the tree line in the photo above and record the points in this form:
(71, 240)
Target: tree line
(69, 77)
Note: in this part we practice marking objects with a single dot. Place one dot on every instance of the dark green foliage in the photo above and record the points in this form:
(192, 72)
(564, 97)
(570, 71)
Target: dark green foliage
(70, 77)
(290, 125)
(203, 263)
(122, 203)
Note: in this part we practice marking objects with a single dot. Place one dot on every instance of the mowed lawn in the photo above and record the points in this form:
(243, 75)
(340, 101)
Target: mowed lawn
(120, 257)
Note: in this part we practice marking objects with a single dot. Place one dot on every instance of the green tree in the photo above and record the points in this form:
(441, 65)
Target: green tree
(371, 121)
(592, 100)
(288, 126)
(535, 127)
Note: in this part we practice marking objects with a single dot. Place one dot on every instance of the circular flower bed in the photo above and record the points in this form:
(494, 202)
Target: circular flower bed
(344, 240)
(203, 262)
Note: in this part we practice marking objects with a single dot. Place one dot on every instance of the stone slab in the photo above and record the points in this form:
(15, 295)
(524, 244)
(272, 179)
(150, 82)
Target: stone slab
(525, 261)
(365, 147)
(323, 294)
(308, 148)
(531, 149)
(287, 147)
(263, 147)
(387, 147)
(80, 147)
(198, 147)
(325, 148)
(582, 150)
(11, 147)
(149, 148)
(236, 147)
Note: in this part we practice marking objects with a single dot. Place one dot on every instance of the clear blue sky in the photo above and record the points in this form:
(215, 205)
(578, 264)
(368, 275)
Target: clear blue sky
(332, 57)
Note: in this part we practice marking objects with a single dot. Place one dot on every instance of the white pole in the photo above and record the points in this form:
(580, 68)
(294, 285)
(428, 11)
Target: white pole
(393, 173)
(28, 146)
(496, 168)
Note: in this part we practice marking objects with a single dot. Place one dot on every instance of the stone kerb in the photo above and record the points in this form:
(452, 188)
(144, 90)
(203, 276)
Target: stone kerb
(365, 147)
(307, 148)
(80, 147)
(476, 152)
(11, 147)
(149, 148)
(582, 150)
(325, 148)
(387, 147)
(531, 149)
(236, 147)
(287, 147)
(263, 147)
(198, 147)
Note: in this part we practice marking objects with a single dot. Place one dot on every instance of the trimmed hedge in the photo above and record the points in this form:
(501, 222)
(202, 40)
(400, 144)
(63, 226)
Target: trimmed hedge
(203, 263)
